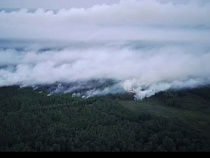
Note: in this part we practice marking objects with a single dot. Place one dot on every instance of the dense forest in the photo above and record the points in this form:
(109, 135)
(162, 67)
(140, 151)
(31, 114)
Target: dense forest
(169, 121)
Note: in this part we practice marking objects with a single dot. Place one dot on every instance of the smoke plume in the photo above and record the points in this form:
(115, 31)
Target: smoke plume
(144, 46)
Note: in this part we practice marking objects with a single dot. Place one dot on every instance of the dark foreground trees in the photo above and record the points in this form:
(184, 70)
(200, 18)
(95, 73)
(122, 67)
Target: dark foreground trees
(32, 121)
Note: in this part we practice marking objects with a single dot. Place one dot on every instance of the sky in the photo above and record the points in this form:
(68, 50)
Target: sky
(67, 4)
(53, 4)
(146, 45)
(125, 20)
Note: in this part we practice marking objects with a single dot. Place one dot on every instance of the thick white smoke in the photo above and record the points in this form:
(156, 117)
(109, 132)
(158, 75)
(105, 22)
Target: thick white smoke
(147, 46)
(143, 70)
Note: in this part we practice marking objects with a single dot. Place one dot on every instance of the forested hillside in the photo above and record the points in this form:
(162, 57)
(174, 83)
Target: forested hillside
(169, 121)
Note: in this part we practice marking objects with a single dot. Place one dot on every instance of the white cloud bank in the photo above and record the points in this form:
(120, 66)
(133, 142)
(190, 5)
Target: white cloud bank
(129, 19)
(147, 45)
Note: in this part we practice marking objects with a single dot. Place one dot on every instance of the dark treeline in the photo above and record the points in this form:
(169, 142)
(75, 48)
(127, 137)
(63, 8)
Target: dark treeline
(32, 121)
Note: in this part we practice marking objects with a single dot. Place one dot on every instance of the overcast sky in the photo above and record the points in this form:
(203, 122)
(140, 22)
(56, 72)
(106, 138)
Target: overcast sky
(125, 20)
(67, 4)
(53, 4)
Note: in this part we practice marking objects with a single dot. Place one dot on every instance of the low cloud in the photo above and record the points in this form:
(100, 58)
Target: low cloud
(126, 20)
